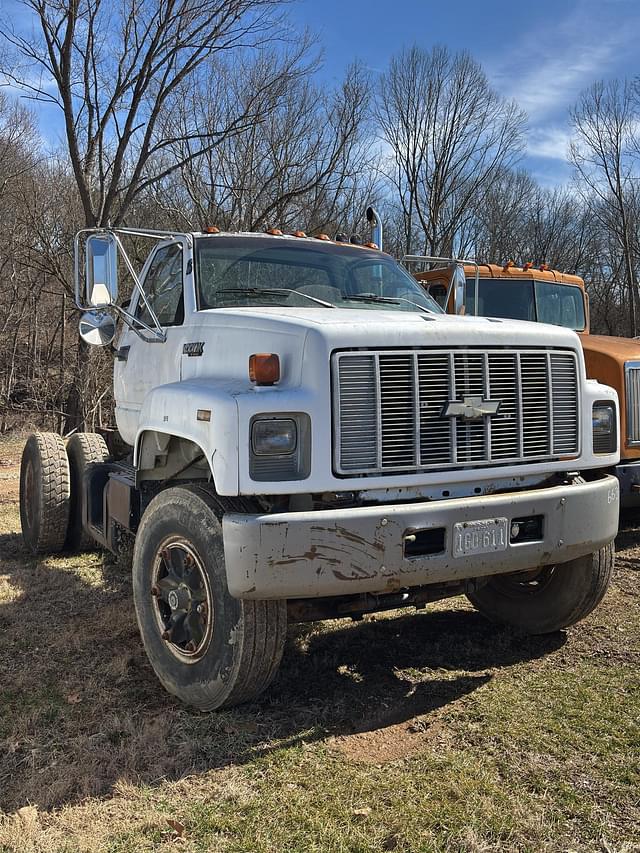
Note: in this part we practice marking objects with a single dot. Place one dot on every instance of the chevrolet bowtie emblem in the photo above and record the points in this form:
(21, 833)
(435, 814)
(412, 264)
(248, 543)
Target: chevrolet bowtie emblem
(471, 408)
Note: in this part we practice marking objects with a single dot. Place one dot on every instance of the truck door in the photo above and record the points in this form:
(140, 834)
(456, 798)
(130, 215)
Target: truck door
(145, 364)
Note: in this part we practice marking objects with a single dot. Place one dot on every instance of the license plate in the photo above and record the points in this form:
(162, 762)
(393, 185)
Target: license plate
(479, 537)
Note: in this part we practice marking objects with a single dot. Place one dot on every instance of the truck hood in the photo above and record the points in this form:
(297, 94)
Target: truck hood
(375, 328)
(619, 349)
(304, 338)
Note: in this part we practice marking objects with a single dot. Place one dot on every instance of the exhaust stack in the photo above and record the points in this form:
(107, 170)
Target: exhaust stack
(373, 218)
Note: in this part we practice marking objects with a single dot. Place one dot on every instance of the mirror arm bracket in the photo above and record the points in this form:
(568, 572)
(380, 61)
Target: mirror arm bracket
(155, 332)
(155, 336)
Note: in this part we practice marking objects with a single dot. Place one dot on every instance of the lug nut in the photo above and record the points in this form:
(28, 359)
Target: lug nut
(201, 608)
(166, 635)
(155, 591)
(191, 646)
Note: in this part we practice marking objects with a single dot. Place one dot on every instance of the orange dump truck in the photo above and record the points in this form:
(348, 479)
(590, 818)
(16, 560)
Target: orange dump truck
(548, 296)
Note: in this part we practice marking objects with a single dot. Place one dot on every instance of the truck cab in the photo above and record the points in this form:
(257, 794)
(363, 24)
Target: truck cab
(548, 296)
(309, 435)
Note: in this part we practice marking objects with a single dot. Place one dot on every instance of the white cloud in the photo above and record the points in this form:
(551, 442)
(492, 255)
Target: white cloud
(545, 70)
(549, 143)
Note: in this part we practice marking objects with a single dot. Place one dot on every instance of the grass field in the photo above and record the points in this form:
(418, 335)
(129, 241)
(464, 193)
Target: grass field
(416, 731)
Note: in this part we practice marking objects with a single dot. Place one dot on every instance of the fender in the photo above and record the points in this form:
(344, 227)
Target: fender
(200, 411)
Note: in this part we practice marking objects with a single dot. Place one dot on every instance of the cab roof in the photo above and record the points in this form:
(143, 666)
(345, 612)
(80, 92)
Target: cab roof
(299, 237)
(507, 272)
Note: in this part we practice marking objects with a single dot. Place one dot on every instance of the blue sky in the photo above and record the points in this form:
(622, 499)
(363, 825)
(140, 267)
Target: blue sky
(542, 52)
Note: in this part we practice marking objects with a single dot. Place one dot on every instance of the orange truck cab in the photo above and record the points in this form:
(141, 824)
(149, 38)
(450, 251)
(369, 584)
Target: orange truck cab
(548, 296)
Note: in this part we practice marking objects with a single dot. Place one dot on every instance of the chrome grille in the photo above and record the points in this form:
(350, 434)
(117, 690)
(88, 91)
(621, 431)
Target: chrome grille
(632, 382)
(389, 408)
(564, 403)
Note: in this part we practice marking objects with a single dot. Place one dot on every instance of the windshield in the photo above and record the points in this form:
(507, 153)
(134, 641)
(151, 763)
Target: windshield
(258, 271)
(541, 301)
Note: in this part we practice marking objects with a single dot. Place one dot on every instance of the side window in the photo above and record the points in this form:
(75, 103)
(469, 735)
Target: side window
(163, 288)
(439, 293)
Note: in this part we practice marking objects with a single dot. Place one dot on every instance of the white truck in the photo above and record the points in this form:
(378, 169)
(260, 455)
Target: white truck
(310, 437)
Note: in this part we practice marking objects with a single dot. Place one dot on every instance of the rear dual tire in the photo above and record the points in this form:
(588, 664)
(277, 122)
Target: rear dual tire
(45, 493)
(51, 477)
(84, 449)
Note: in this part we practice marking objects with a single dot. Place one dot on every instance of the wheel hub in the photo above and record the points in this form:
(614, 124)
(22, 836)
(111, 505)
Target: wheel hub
(182, 600)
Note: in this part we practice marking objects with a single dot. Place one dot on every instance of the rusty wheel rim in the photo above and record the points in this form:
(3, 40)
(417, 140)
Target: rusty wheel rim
(182, 601)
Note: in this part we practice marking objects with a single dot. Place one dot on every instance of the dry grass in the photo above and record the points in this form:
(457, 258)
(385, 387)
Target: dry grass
(432, 731)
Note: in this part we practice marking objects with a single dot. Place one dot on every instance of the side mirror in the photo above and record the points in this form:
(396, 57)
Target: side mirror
(97, 328)
(101, 270)
(459, 283)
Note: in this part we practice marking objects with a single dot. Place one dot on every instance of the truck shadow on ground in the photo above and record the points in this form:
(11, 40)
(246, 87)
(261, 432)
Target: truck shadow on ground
(81, 710)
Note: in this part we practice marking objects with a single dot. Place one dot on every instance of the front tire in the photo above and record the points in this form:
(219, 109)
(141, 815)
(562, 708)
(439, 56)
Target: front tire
(550, 598)
(207, 648)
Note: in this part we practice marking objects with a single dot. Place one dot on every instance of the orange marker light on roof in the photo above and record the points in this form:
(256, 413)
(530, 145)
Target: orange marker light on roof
(264, 368)
(323, 237)
(275, 231)
(508, 266)
(544, 267)
(299, 234)
(527, 266)
(372, 246)
(212, 229)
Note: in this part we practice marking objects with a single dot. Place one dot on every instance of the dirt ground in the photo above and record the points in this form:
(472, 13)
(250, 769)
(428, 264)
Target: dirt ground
(407, 731)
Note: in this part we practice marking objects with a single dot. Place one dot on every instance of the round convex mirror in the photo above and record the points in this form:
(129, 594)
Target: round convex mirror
(97, 328)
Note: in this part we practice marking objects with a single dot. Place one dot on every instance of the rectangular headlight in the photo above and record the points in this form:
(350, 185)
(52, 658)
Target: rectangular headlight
(277, 437)
(280, 447)
(604, 427)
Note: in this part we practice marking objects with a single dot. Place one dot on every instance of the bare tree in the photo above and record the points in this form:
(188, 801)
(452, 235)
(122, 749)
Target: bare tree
(303, 166)
(38, 210)
(519, 220)
(449, 134)
(116, 68)
(604, 151)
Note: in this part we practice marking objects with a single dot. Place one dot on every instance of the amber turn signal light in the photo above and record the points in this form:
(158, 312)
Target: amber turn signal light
(264, 368)
(212, 229)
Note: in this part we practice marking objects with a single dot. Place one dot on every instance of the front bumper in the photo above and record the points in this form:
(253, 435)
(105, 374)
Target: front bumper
(362, 549)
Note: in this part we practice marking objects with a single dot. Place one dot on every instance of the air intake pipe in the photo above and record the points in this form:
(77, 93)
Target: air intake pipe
(373, 218)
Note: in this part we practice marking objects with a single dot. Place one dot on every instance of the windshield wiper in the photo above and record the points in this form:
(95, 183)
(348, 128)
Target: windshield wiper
(391, 300)
(274, 291)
